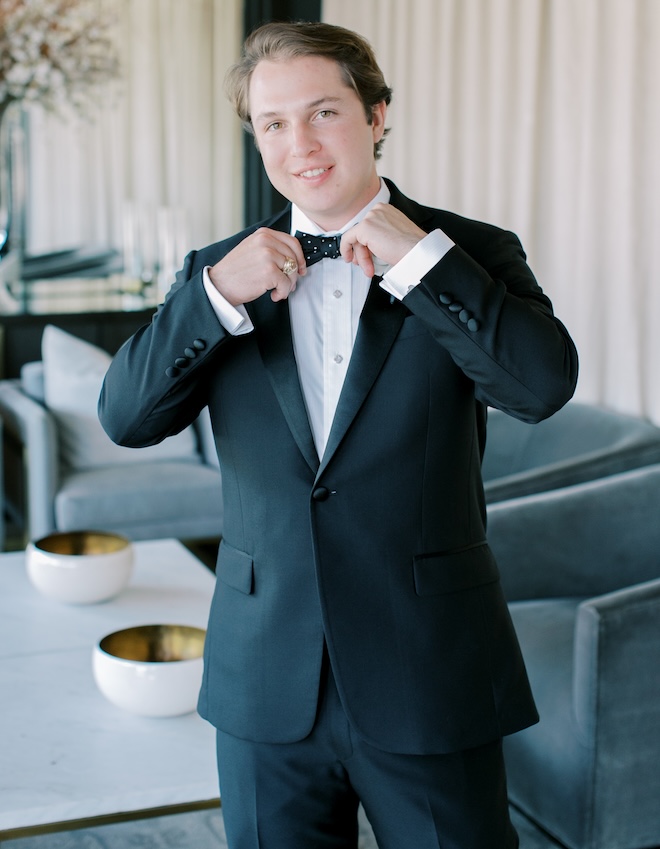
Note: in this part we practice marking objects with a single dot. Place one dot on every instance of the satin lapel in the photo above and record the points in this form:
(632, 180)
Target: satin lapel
(380, 323)
(273, 329)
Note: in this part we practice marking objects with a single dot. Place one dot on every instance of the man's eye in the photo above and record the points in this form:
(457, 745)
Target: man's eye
(274, 126)
(325, 113)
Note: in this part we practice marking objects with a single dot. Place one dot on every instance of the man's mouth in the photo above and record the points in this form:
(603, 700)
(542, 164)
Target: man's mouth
(313, 172)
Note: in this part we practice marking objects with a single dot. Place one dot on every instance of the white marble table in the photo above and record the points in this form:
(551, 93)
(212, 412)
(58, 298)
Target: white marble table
(68, 757)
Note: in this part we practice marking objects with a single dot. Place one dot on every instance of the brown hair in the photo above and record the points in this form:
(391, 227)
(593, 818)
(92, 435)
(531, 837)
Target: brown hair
(280, 40)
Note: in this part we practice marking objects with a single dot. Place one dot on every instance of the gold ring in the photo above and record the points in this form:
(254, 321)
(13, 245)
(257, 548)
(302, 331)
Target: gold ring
(289, 266)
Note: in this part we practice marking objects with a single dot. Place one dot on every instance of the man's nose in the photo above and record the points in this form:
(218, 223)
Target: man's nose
(303, 140)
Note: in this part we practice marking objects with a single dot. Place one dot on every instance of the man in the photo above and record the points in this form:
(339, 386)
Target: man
(359, 647)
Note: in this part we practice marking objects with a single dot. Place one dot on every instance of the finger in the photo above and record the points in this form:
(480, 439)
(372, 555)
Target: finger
(291, 248)
(348, 240)
(280, 246)
(282, 286)
(282, 265)
(280, 293)
(363, 258)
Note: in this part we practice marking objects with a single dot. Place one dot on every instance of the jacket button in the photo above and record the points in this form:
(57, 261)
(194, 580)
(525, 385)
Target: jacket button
(181, 362)
(199, 344)
(172, 371)
(473, 325)
(445, 298)
(455, 306)
(321, 493)
(464, 316)
(191, 353)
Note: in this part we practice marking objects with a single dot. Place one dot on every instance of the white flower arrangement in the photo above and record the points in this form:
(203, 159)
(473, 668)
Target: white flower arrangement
(55, 52)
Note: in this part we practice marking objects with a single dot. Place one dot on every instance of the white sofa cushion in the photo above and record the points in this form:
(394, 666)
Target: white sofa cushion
(73, 375)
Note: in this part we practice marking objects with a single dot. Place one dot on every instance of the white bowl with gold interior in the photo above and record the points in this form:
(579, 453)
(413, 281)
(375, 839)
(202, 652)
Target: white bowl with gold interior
(80, 567)
(151, 670)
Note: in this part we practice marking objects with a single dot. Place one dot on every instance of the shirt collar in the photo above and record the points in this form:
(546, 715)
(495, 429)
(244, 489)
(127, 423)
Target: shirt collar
(299, 221)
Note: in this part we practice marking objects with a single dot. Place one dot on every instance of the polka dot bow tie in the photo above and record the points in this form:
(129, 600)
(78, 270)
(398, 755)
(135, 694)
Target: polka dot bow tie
(316, 248)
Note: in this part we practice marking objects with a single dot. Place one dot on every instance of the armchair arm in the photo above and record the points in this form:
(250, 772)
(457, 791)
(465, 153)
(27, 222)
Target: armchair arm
(583, 540)
(32, 429)
(563, 473)
(616, 680)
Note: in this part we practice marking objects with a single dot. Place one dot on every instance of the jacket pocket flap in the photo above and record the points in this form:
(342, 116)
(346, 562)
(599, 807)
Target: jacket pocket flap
(235, 568)
(454, 571)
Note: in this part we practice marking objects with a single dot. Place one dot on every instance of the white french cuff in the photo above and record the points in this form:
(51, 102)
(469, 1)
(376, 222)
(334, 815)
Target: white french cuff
(235, 320)
(408, 272)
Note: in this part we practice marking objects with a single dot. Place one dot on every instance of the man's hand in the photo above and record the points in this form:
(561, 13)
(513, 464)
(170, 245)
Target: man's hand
(384, 232)
(255, 265)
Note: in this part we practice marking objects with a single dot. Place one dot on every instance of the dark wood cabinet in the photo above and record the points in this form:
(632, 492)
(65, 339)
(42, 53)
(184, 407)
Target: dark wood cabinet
(97, 310)
(20, 335)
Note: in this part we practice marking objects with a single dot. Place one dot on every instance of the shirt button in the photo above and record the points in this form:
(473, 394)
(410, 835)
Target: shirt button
(337, 293)
(338, 358)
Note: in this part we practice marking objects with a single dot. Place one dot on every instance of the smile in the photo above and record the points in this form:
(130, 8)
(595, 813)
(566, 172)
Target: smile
(314, 172)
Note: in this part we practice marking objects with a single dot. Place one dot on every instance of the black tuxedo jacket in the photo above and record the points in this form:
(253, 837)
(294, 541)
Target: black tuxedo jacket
(379, 548)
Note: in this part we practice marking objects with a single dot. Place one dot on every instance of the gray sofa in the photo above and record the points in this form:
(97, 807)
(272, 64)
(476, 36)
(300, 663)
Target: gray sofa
(579, 443)
(179, 497)
(581, 570)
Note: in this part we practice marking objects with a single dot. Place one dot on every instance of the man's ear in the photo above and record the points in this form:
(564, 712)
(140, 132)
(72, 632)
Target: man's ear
(378, 113)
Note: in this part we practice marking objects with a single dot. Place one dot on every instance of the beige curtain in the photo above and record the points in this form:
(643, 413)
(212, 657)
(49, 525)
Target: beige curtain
(542, 116)
(165, 138)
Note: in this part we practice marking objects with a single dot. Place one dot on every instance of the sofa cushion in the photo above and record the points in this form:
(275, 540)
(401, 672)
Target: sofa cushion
(32, 381)
(73, 376)
(150, 500)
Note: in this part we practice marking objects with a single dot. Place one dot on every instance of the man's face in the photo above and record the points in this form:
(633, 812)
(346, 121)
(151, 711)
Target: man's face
(315, 142)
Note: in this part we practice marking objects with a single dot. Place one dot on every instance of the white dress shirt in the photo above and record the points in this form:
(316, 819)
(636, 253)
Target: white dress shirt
(325, 310)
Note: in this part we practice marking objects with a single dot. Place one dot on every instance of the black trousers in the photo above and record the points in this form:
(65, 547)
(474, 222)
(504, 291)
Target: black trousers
(305, 795)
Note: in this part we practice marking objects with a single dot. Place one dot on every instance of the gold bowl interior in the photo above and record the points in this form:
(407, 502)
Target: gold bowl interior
(155, 643)
(82, 543)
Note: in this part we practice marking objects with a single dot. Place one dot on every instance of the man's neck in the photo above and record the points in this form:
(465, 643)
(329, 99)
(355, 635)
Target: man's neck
(301, 221)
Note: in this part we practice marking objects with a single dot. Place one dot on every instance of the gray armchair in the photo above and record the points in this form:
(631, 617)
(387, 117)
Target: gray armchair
(2, 496)
(581, 570)
(579, 443)
(179, 497)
